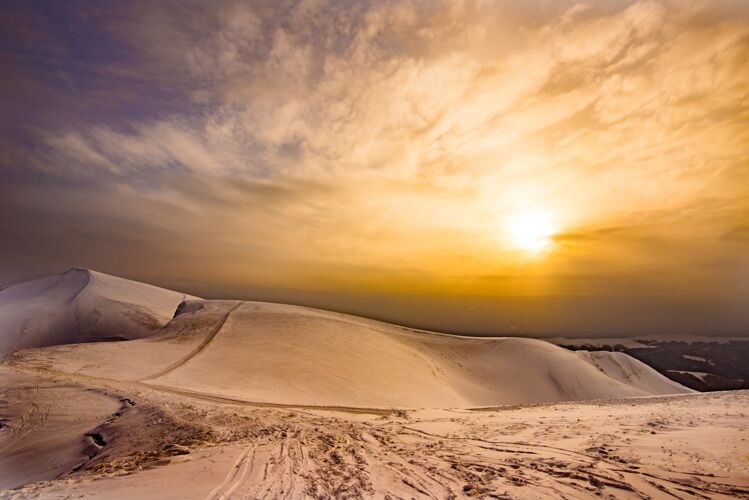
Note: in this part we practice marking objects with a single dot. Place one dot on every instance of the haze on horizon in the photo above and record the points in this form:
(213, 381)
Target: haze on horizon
(546, 168)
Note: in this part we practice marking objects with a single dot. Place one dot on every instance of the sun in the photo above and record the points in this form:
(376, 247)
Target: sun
(531, 231)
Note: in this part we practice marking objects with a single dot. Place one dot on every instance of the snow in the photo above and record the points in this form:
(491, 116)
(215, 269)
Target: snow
(281, 354)
(598, 342)
(250, 399)
(641, 341)
(44, 431)
(632, 448)
(81, 306)
(699, 375)
(694, 358)
(631, 371)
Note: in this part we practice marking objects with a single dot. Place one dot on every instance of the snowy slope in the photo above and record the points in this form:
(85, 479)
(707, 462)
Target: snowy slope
(284, 354)
(81, 306)
(698, 362)
(626, 369)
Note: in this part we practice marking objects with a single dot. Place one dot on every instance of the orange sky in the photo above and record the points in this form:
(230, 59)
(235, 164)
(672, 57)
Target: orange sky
(539, 167)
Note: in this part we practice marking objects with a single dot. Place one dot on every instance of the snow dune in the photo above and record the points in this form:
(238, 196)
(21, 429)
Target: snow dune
(631, 371)
(81, 306)
(281, 354)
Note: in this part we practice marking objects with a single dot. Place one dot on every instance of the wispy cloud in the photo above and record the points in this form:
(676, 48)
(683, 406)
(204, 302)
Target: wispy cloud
(304, 142)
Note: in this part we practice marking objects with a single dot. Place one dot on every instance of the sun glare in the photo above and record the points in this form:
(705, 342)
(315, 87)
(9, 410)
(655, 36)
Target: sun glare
(531, 231)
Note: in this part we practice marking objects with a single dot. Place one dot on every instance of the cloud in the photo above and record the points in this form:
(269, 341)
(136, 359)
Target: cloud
(739, 233)
(384, 144)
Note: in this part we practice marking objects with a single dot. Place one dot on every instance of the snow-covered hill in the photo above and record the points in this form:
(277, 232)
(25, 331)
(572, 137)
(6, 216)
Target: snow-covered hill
(81, 306)
(699, 362)
(281, 354)
(630, 371)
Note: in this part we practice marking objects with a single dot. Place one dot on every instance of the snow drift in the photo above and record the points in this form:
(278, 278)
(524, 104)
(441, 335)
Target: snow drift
(81, 306)
(626, 369)
(281, 354)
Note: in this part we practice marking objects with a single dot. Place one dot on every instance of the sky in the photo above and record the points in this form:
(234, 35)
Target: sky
(485, 167)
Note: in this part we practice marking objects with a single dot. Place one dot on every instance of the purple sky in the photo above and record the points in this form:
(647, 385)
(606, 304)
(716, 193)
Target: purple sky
(545, 168)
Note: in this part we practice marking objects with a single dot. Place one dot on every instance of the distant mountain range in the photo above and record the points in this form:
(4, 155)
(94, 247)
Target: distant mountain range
(700, 363)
